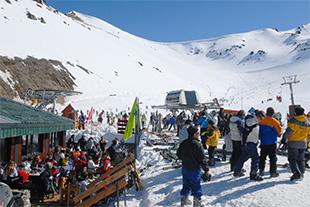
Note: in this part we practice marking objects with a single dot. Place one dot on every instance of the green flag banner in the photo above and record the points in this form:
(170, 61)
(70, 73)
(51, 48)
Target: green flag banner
(131, 121)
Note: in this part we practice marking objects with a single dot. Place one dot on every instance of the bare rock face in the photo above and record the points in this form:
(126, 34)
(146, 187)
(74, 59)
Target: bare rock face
(41, 1)
(31, 16)
(18, 75)
(74, 16)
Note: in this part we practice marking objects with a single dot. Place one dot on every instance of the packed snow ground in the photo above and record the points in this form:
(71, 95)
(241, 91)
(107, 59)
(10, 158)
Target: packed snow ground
(162, 187)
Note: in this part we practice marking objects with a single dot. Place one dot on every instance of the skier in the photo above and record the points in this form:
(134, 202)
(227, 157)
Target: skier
(250, 137)
(191, 153)
(297, 133)
(269, 131)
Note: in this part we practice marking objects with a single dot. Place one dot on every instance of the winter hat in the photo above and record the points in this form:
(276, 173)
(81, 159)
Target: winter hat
(270, 111)
(251, 111)
(192, 130)
(211, 121)
(299, 111)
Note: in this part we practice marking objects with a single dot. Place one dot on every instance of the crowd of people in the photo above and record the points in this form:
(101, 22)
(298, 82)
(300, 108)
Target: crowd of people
(77, 162)
(246, 133)
(253, 135)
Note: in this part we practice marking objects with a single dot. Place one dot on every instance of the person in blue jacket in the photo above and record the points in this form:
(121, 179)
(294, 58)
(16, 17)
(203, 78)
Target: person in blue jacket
(269, 131)
(203, 123)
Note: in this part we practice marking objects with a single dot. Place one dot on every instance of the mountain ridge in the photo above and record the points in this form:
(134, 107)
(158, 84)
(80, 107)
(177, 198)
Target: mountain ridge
(105, 60)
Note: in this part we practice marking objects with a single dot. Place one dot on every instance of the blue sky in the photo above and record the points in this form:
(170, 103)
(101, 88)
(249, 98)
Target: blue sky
(182, 20)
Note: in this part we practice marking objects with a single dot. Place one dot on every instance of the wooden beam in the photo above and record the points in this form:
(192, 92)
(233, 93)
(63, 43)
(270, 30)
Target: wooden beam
(103, 194)
(125, 162)
(102, 184)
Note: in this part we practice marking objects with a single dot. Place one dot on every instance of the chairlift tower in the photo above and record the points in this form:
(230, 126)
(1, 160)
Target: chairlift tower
(290, 80)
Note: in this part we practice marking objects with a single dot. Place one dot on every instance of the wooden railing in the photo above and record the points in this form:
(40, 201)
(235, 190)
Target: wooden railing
(107, 184)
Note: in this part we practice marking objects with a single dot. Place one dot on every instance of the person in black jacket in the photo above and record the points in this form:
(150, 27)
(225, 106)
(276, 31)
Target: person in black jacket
(193, 159)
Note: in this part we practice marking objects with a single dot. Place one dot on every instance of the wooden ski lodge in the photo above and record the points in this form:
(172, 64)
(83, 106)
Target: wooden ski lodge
(25, 131)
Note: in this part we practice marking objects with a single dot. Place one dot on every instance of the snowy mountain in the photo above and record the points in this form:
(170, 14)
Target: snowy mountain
(43, 48)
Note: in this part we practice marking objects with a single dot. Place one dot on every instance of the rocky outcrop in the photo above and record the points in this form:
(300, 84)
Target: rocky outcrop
(41, 1)
(18, 75)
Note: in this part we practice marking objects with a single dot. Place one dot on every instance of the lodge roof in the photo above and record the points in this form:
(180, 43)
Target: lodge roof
(17, 119)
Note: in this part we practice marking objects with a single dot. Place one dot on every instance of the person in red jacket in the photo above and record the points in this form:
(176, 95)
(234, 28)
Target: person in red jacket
(105, 163)
(22, 172)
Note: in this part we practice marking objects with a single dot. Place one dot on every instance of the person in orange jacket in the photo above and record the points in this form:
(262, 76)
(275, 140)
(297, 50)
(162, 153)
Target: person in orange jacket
(269, 131)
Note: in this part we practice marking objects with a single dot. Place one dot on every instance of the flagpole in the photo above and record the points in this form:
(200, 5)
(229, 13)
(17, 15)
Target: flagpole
(136, 128)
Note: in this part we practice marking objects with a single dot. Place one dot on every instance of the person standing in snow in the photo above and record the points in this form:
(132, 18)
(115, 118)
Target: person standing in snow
(213, 135)
(193, 159)
(180, 121)
(250, 137)
(236, 129)
(100, 116)
(203, 123)
(269, 131)
(82, 119)
(143, 120)
(183, 134)
(221, 120)
(172, 122)
(297, 134)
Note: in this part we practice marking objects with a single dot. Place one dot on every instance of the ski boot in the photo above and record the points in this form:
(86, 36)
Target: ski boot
(296, 176)
(238, 174)
(197, 202)
(256, 177)
(185, 201)
(274, 174)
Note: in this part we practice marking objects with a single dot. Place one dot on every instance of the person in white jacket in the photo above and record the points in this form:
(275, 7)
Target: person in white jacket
(236, 127)
(91, 166)
(250, 138)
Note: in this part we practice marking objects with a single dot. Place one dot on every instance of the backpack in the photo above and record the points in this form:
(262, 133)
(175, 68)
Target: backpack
(247, 129)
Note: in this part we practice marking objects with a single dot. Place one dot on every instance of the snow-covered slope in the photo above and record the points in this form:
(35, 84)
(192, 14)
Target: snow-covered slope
(111, 66)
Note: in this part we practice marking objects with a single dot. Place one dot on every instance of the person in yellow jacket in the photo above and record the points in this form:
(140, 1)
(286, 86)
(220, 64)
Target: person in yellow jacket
(297, 134)
(213, 134)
